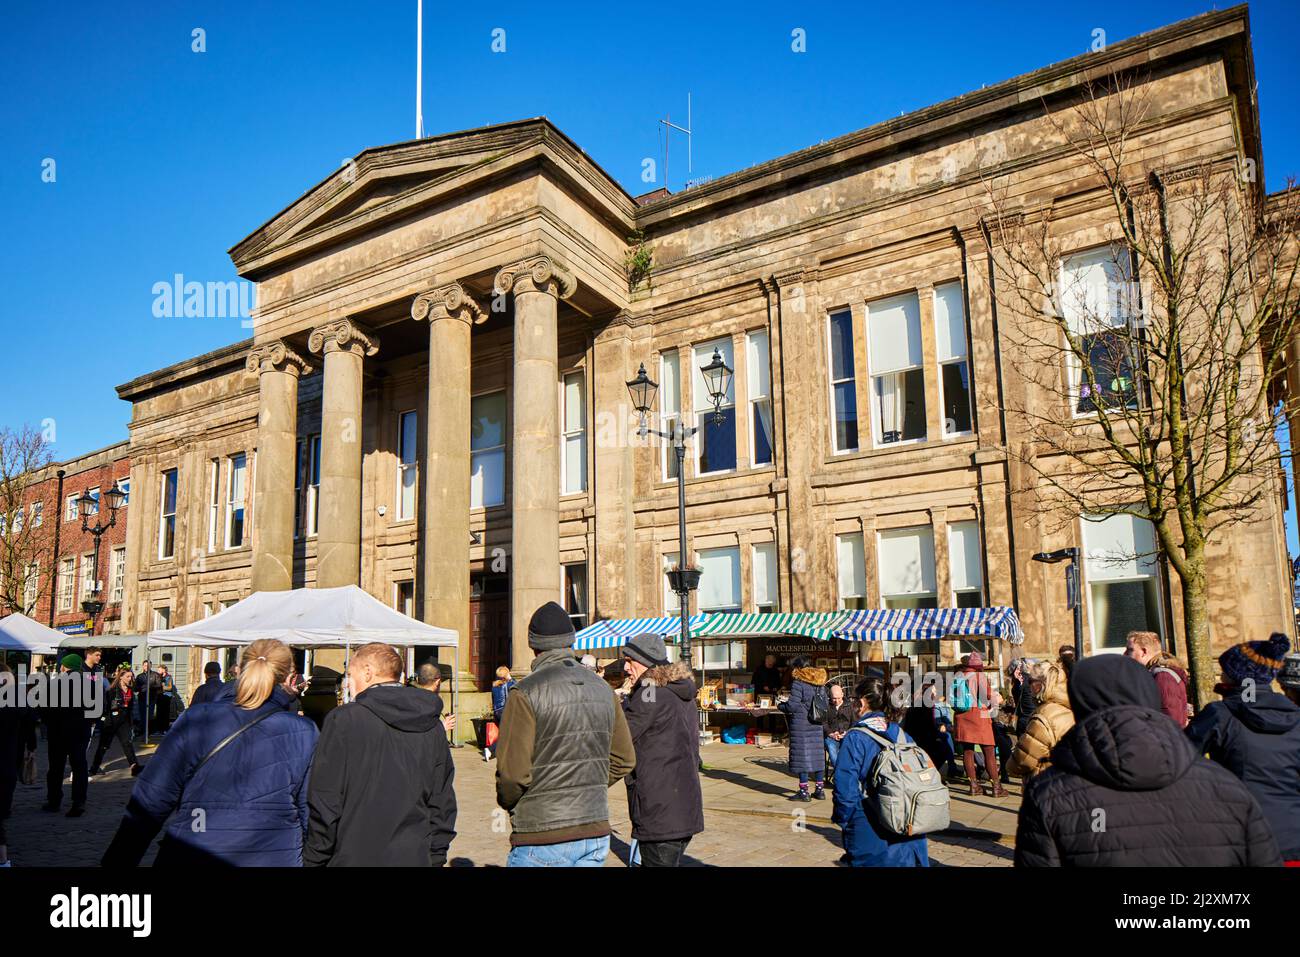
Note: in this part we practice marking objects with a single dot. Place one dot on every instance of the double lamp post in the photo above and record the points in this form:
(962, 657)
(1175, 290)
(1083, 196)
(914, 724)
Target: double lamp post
(87, 506)
(717, 378)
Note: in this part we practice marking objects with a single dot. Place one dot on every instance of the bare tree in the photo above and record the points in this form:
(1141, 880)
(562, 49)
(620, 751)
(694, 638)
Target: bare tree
(1151, 365)
(24, 533)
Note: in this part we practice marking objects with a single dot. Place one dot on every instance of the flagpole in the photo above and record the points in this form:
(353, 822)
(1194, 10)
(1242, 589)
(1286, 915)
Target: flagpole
(419, 69)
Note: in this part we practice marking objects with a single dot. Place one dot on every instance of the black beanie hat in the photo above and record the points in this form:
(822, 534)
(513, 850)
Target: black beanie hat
(1104, 681)
(550, 628)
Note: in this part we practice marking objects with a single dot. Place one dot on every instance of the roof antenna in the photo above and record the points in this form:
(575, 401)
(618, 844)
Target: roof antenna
(419, 69)
(669, 126)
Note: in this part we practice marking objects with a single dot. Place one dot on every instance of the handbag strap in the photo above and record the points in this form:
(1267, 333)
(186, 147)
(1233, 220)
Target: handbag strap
(220, 745)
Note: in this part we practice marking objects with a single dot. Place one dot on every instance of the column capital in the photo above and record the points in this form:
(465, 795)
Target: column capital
(536, 274)
(447, 302)
(342, 335)
(276, 356)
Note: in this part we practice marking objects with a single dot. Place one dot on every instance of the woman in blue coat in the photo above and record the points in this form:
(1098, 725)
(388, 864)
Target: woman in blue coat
(865, 844)
(807, 740)
(230, 779)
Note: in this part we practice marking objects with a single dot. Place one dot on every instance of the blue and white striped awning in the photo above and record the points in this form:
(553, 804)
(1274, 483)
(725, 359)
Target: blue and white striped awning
(614, 632)
(913, 624)
(919, 624)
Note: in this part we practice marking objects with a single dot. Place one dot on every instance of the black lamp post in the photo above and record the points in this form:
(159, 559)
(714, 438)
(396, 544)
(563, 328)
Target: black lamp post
(717, 376)
(87, 505)
(1072, 589)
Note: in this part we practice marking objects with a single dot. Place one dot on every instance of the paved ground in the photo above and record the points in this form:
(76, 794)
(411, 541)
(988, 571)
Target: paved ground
(748, 819)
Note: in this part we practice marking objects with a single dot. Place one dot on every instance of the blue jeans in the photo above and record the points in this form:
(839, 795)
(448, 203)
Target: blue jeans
(590, 852)
(832, 750)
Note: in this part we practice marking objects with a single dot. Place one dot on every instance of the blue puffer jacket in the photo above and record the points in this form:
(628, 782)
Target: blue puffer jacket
(1259, 742)
(247, 807)
(868, 846)
(807, 740)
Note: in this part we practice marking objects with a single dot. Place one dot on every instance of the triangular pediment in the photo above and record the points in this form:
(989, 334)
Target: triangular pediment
(383, 179)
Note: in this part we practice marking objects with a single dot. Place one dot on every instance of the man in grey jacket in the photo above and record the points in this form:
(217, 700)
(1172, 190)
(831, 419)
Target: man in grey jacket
(564, 742)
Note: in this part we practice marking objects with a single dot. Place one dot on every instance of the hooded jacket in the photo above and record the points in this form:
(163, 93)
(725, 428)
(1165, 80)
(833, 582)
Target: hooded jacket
(663, 790)
(381, 784)
(1259, 742)
(807, 740)
(1050, 721)
(1127, 789)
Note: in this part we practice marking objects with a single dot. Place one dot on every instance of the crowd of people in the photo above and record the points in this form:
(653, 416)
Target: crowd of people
(1117, 767)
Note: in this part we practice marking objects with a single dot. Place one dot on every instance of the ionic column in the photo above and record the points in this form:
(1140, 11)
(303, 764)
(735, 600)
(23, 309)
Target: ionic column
(445, 535)
(537, 283)
(338, 529)
(278, 368)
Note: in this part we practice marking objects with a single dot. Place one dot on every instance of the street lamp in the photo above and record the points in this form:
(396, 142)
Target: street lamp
(88, 505)
(717, 377)
(1072, 590)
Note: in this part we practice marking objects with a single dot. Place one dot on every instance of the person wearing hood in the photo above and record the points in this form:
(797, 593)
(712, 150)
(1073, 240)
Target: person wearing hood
(1050, 721)
(664, 799)
(1127, 789)
(381, 782)
(1254, 732)
(239, 765)
(1171, 677)
(564, 743)
(807, 740)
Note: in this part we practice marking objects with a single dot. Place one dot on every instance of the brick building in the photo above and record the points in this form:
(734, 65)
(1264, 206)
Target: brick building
(434, 405)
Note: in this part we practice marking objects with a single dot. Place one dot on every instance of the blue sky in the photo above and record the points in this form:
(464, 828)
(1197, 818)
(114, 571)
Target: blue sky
(165, 157)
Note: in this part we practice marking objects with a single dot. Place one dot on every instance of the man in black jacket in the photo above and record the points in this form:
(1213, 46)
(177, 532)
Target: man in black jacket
(1126, 788)
(663, 790)
(381, 780)
(211, 687)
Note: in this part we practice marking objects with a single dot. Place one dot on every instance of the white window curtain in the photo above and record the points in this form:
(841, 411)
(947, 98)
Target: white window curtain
(894, 339)
(965, 568)
(765, 577)
(720, 579)
(949, 322)
(852, 569)
(906, 557)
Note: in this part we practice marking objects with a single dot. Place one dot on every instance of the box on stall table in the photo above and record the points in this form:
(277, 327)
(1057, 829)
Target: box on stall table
(762, 739)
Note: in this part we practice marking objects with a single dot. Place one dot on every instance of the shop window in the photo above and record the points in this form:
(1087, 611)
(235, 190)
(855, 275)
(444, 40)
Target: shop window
(897, 376)
(487, 442)
(907, 577)
(1121, 571)
(844, 396)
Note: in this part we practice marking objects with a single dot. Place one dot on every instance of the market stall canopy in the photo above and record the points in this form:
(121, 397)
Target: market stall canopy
(20, 633)
(893, 624)
(315, 617)
(81, 642)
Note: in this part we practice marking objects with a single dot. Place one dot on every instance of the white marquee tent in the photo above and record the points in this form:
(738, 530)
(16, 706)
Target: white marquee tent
(20, 633)
(307, 617)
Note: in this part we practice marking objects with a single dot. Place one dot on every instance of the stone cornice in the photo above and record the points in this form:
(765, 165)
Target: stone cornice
(276, 356)
(447, 302)
(342, 334)
(536, 274)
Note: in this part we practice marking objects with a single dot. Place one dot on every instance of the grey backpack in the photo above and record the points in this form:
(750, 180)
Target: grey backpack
(904, 792)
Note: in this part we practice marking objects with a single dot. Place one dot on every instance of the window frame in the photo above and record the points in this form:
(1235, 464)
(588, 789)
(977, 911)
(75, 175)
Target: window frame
(502, 448)
(934, 570)
(963, 359)
(850, 380)
(1073, 367)
(755, 399)
(668, 450)
(167, 520)
(1155, 578)
(67, 584)
(876, 413)
(117, 574)
(567, 434)
(403, 467)
(697, 415)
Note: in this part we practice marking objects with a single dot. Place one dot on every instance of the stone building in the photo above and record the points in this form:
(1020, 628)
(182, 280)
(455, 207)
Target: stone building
(434, 406)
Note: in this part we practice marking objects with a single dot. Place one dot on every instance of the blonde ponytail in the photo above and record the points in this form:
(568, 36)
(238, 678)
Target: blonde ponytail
(263, 665)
